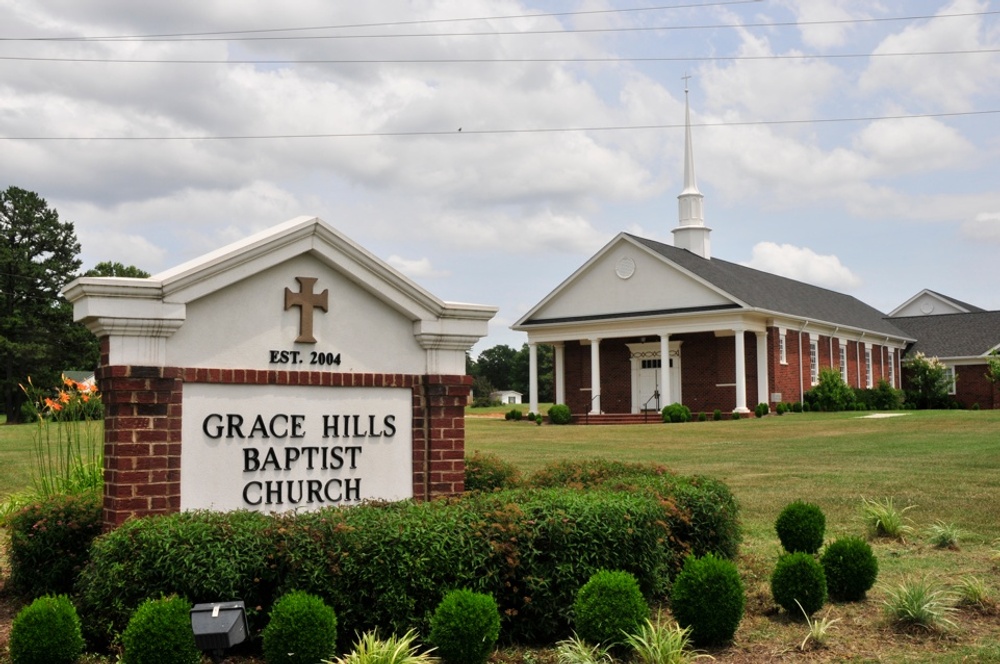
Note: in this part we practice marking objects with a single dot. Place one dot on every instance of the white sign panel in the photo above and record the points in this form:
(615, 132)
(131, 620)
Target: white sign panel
(276, 448)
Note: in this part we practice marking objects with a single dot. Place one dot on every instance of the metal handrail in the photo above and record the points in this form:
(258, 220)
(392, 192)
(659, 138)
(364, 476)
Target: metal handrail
(645, 406)
(586, 416)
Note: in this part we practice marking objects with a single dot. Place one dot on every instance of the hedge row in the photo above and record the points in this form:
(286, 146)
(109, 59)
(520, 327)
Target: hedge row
(387, 565)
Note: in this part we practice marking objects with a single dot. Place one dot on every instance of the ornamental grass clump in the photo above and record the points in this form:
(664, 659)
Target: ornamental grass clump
(301, 630)
(819, 630)
(922, 604)
(801, 527)
(944, 535)
(883, 519)
(609, 606)
(850, 567)
(465, 627)
(574, 650)
(659, 643)
(159, 632)
(47, 631)
(370, 649)
(798, 584)
(708, 598)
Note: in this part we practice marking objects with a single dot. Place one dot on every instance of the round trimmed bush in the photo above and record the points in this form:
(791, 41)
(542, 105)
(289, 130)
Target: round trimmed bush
(560, 414)
(302, 630)
(801, 527)
(465, 627)
(159, 632)
(47, 631)
(708, 597)
(850, 567)
(609, 606)
(676, 412)
(799, 577)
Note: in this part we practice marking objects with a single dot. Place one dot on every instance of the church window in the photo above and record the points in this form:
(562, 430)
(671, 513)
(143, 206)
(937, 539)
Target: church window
(814, 362)
(843, 362)
(868, 368)
(652, 364)
(892, 369)
(782, 355)
(950, 372)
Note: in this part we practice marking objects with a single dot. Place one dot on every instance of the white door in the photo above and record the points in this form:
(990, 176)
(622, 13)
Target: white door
(649, 396)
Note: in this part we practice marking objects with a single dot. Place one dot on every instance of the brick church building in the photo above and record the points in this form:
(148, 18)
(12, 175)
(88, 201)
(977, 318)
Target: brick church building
(643, 324)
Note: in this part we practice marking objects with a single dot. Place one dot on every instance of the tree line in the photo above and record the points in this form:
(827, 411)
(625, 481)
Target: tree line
(39, 256)
(505, 368)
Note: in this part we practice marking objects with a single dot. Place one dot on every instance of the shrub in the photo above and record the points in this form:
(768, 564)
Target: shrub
(302, 629)
(516, 414)
(798, 582)
(717, 415)
(737, 415)
(465, 627)
(488, 472)
(609, 606)
(50, 543)
(47, 631)
(929, 382)
(780, 409)
(676, 412)
(801, 527)
(831, 393)
(806, 407)
(761, 409)
(850, 567)
(797, 407)
(160, 633)
(708, 597)
(702, 417)
(199, 555)
(560, 414)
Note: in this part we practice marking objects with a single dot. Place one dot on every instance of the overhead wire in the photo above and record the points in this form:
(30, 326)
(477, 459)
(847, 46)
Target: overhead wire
(537, 130)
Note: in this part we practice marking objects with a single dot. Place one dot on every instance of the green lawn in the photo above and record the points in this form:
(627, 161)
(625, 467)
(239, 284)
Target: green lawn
(946, 464)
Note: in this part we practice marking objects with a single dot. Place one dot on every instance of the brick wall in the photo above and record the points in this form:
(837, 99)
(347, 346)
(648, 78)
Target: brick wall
(142, 429)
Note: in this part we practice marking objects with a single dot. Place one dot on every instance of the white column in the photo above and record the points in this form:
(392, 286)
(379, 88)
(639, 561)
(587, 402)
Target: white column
(559, 360)
(665, 397)
(763, 389)
(533, 376)
(595, 376)
(741, 373)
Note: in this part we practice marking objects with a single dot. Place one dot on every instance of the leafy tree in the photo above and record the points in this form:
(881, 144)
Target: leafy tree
(993, 368)
(38, 257)
(495, 364)
(928, 382)
(115, 269)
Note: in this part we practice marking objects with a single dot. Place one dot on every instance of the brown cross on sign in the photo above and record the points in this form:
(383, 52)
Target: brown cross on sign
(306, 300)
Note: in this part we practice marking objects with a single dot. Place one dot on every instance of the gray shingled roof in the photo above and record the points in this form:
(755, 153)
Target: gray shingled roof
(782, 295)
(952, 335)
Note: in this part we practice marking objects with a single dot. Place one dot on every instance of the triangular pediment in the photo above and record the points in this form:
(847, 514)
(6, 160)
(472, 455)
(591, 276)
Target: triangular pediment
(626, 279)
(247, 303)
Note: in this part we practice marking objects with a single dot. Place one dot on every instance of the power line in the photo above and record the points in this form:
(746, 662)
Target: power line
(413, 22)
(502, 33)
(335, 61)
(548, 130)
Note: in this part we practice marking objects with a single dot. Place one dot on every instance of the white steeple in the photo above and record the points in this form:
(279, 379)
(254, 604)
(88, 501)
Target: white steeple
(691, 233)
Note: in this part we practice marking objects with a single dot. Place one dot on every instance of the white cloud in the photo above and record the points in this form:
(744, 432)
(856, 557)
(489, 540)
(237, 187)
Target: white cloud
(951, 82)
(522, 232)
(985, 227)
(416, 268)
(803, 264)
(838, 13)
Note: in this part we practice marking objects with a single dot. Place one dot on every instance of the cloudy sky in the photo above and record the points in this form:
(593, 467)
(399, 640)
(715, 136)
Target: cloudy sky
(487, 148)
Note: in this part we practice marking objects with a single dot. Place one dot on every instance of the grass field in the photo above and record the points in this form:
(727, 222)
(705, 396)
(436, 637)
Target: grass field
(945, 464)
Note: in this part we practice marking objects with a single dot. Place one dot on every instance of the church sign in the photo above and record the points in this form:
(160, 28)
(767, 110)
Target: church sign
(290, 371)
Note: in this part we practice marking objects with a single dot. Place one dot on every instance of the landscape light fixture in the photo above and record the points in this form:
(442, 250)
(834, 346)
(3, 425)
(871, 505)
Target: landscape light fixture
(218, 626)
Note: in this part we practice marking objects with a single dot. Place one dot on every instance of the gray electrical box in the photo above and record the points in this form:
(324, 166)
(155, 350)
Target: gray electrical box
(219, 625)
